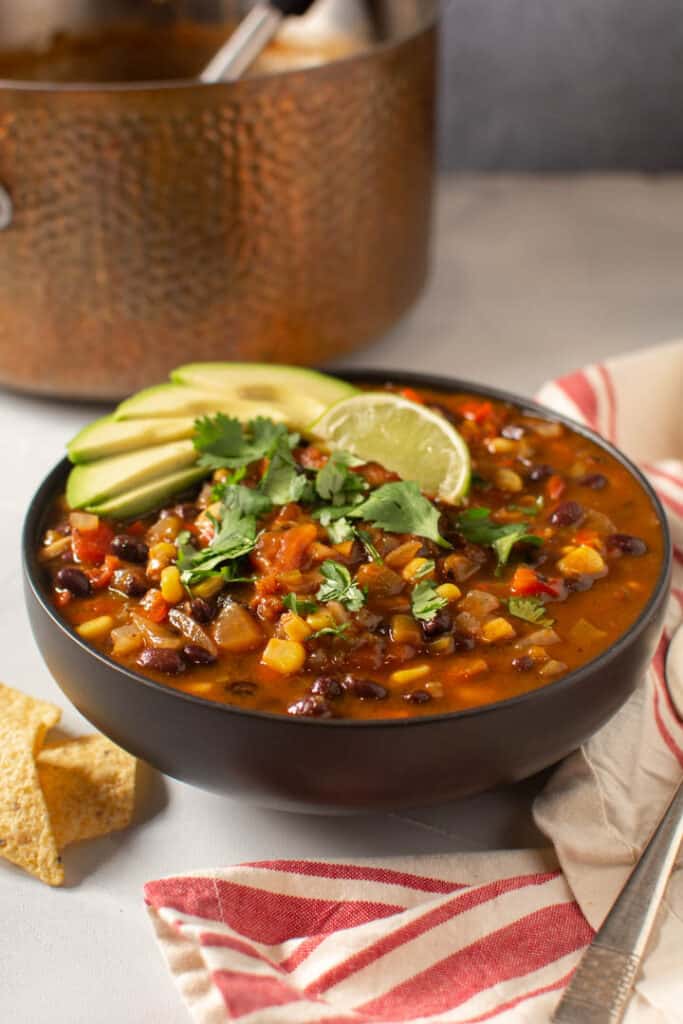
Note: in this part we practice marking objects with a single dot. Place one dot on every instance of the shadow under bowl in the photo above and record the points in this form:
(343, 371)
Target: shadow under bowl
(344, 765)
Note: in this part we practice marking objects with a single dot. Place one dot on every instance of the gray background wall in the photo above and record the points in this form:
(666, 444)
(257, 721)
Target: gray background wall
(562, 84)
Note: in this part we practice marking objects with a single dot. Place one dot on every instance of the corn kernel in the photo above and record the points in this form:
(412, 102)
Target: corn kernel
(401, 555)
(409, 675)
(449, 591)
(320, 620)
(405, 630)
(434, 688)
(412, 569)
(284, 656)
(498, 631)
(508, 480)
(171, 588)
(443, 645)
(501, 445)
(163, 550)
(96, 629)
(294, 627)
(582, 561)
(209, 587)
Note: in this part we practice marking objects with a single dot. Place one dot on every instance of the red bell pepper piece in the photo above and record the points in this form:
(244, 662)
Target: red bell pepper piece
(527, 583)
(92, 545)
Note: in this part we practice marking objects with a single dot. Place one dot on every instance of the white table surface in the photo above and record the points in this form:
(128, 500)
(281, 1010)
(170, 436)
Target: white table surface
(532, 276)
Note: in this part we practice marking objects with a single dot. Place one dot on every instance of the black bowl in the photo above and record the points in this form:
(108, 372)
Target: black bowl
(305, 764)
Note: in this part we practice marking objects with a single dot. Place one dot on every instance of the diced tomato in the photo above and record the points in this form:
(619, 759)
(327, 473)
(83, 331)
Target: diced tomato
(289, 513)
(476, 411)
(411, 395)
(280, 551)
(375, 474)
(93, 545)
(311, 457)
(154, 606)
(527, 583)
(136, 529)
(555, 487)
(101, 578)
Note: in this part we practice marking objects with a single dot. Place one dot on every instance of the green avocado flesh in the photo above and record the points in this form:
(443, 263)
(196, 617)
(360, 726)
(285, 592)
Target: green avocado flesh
(301, 394)
(92, 482)
(108, 436)
(144, 499)
(177, 401)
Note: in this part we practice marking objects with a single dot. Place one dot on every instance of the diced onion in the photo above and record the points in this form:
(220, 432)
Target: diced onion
(83, 521)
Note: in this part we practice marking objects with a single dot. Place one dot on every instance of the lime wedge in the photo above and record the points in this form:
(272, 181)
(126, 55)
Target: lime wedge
(405, 437)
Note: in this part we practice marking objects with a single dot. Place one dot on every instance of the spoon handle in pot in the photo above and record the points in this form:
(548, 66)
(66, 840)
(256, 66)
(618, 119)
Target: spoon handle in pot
(600, 988)
(250, 37)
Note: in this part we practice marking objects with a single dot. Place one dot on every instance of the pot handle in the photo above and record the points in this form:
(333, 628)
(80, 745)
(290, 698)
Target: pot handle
(6, 208)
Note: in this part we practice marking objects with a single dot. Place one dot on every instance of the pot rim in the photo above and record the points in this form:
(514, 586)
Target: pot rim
(427, 24)
(55, 478)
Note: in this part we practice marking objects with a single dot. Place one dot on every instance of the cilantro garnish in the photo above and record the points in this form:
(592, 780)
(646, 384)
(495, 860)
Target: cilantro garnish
(235, 535)
(338, 586)
(336, 483)
(425, 569)
(425, 602)
(339, 530)
(282, 482)
(476, 526)
(366, 540)
(224, 443)
(531, 609)
(330, 631)
(299, 605)
(401, 508)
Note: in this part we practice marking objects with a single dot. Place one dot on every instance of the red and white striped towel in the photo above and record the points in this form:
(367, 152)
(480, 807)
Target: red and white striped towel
(467, 937)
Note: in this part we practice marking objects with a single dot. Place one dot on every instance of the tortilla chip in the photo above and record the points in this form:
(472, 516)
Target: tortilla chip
(26, 837)
(89, 787)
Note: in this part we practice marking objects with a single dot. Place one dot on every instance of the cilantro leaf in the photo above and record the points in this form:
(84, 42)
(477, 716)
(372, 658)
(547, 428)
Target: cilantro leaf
(340, 530)
(338, 586)
(224, 443)
(476, 526)
(531, 609)
(425, 602)
(366, 540)
(401, 508)
(299, 605)
(235, 535)
(282, 483)
(335, 482)
(330, 631)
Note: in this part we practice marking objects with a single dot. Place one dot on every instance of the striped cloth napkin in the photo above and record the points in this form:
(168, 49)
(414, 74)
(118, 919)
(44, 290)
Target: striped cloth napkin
(467, 937)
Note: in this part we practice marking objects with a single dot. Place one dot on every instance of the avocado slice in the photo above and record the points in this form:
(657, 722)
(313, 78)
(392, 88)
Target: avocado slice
(108, 436)
(92, 482)
(301, 394)
(150, 496)
(175, 400)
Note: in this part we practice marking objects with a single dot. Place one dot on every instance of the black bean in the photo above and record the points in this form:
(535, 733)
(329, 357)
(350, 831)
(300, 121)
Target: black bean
(513, 432)
(568, 513)
(365, 689)
(198, 655)
(596, 481)
(540, 472)
(417, 697)
(186, 511)
(523, 664)
(627, 544)
(462, 641)
(438, 624)
(577, 584)
(162, 659)
(327, 686)
(242, 687)
(311, 707)
(73, 580)
(201, 610)
(131, 582)
(130, 549)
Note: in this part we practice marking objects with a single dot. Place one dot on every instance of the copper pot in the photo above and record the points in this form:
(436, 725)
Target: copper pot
(283, 217)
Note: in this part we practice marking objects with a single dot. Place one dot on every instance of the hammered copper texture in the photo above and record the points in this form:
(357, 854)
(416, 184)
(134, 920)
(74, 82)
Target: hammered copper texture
(275, 219)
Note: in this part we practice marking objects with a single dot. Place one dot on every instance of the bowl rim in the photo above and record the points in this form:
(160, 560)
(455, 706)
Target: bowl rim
(48, 488)
(427, 24)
